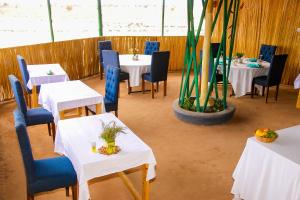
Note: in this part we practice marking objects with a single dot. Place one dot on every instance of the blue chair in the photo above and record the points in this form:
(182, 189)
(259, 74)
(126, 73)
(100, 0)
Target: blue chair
(112, 81)
(158, 71)
(267, 52)
(25, 76)
(150, 47)
(33, 116)
(274, 76)
(111, 59)
(103, 45)
(46, 174)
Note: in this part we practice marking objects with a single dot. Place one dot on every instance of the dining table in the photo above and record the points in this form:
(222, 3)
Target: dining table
(61, 96)
(135, 68)
(42, 74)
(75, 138)
(297, 86)
(242, 74)
(269, 171)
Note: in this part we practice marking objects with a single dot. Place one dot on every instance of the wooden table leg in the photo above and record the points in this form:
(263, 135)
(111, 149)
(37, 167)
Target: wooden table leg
(34, 97)
(146, 184)
(298, 101)
(62, 114)
(98, 108)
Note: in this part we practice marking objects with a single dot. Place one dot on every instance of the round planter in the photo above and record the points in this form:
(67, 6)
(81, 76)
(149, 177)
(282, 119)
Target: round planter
(203, 118)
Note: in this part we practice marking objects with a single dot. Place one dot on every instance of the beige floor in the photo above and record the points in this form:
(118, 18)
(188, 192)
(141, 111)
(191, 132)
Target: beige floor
(194, 162)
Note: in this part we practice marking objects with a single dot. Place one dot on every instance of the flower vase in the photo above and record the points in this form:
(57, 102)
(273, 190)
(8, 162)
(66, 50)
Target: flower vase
(240, 60)
(111, 147)
(135, 57)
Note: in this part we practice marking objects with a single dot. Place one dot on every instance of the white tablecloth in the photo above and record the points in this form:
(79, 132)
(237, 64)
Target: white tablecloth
(38, 74)
(241, 76)
(270, 171)
(60, 96)
(74, 137)
(135, 68)
(297, 82)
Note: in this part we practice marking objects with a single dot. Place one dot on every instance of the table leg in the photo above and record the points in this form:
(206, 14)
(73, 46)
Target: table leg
(98, 108)
(146, 184)
(298, 101)
(62, 114)
(34, 97)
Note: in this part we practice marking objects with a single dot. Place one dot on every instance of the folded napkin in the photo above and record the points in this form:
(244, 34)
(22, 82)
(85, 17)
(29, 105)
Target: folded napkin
(253, 65)
(252, 59)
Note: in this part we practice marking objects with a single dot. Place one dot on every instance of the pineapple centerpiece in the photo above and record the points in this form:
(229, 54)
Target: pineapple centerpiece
(265, 135)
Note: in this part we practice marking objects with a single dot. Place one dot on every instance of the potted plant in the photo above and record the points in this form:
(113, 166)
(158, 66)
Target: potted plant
(239, 57)
(109, 135)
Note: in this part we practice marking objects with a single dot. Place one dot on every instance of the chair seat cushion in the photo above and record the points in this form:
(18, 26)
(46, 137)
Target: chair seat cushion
(37, 116)
(148, 77)
(124, 76)
(110, 106)
(261, 80)
(51, 174)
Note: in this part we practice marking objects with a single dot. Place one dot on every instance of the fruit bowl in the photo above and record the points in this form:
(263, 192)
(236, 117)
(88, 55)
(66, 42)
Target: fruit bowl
(265, 135)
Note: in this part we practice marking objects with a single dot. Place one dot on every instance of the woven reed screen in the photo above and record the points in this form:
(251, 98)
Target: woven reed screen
(79, 58)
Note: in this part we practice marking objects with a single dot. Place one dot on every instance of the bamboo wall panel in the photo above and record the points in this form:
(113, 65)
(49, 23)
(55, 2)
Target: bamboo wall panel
(271, 22)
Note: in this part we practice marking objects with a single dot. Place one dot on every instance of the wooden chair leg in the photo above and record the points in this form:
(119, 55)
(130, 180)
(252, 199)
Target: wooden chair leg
(157, 86)
(152, 90)
(86, 111)
(116, 113)
(263, 91)
(75, 192)
(276, 95)
(101, 72)
(49, 129)
(143, 86)
(129, 88)
(267, 94)
(53, 131)
(165, 87)
(67, 191)
(252, 90)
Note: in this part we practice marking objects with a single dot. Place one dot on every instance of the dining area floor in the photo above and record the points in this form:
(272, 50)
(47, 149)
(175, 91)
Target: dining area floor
(193, 162)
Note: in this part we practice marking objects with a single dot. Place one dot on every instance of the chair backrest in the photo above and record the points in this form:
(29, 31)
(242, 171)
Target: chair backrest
(150, 47)
(18, 92)
(267, 52)
(276, 69)
(159, 65)
(104, 45)
(112, 81)
(110, 59)
(24, 71)
(25, 146)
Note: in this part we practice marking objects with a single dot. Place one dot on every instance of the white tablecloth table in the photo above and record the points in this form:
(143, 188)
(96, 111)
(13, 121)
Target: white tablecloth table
(74, 137)
(297, 86)
(38, 75)
(241, 76)
(135, 68)
(57, 97)
(269, 171)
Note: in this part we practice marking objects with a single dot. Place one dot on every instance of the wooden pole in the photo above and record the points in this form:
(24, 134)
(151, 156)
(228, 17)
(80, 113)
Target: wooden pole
(206, 51)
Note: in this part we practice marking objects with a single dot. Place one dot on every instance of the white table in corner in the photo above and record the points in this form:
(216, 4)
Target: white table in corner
(297, 86)
(241, 76)
(61, 96)
(269, 171)
(135, 68)
(74, 138)
(38, 74)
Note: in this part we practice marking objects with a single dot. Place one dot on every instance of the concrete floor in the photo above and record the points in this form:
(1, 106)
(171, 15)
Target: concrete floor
(194, 162)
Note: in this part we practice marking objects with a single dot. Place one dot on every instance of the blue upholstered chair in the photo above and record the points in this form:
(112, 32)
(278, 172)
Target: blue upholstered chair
(150, 47)
(33, 116)
(274, 76)
(267, 52)
(103, 45)
(112, 81)
(158, 72)
(46, 174)
(25, 76)
(111, 59)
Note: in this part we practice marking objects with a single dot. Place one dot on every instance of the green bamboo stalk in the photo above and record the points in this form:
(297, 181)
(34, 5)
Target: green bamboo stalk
(217, 14)
(204, 3)
(224, 55)
(100, 23)
(50, 20)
